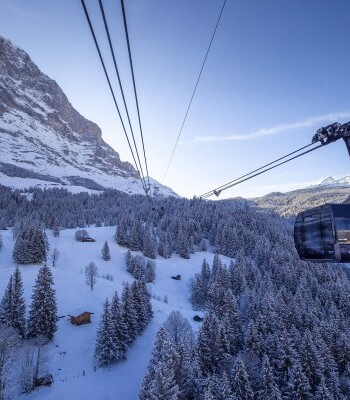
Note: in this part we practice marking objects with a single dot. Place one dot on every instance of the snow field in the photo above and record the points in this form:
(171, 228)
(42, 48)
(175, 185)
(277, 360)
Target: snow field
(71, 351)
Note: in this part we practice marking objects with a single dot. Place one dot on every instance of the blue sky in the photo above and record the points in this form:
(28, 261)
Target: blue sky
(277, 71)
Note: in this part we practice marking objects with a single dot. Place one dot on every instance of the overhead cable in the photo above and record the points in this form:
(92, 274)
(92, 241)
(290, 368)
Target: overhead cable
(134, 85)
(110, 86)
(237, 181)
(258, 169)
(194, 90)
(119, 81)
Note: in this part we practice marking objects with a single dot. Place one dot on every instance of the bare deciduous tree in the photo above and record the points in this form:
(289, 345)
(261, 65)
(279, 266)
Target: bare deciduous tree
(54, 257)
(34, 360)
(178, 327)
(9, 340)
(91, 274)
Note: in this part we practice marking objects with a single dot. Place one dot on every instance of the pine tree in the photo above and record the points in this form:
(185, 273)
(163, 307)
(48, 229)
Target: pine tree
(105, 252)
(213, 346)
(31, 245)
(232, 321)
(120, 328)
(149, 244)
(129, 314)
(160, 380)
(43, 309)
(220, 386)
(142, 304)
(12, 306)
(184, 375)
(298, 385)
(105, 349)
(128, 260)
(241, 387)
(134, 238)
(19, 307)
(122, 236)
(1, 242)
(150, 271)
(6, 305)
(270, 389)
(311, 362)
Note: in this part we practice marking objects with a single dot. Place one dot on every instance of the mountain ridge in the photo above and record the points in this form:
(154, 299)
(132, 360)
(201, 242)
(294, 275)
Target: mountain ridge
(42, 132)
(329, 190)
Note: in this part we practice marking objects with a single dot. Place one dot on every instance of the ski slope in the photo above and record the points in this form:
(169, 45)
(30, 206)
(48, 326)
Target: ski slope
(73, 371)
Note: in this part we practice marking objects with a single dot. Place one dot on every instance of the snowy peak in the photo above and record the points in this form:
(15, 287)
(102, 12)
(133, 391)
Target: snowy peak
(332, 182)
(42, 133)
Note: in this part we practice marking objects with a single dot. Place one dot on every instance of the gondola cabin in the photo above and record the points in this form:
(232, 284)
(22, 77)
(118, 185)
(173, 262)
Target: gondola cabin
(323, 233)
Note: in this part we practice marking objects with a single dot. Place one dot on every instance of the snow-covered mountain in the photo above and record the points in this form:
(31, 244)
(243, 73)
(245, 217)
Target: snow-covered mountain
(329, 190)
(46, 141)
(334, 182)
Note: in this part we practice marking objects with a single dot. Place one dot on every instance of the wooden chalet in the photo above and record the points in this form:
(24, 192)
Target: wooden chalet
(83, 318)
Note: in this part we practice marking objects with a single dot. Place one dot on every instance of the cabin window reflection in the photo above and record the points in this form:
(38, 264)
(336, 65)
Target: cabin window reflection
(343, 229)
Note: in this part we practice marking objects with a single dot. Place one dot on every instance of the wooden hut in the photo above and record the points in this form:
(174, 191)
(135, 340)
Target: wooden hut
(83, 318)
(88, 240)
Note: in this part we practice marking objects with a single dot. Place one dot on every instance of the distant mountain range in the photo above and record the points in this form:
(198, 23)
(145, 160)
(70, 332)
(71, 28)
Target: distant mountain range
(329, 190)
(45, 142)
(336, 183)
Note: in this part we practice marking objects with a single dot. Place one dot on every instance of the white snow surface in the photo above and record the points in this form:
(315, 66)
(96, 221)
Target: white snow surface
(121, 380)
(27, 143)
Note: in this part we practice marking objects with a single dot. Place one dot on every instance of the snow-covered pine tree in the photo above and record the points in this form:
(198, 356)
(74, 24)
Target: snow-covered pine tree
(128, 260)
(298, 385)
(149, 244)
(119, 326)
(160, 380)
(269, 389)
(241, 387)
(1, 242)
(105, 348)
(213, 345)
(19, 306)
(150, 271)
(43, 309)
(142, 304)
(232, 322)
(31, 245)
(129, 313)
(6, 305)
(135, 243)
(185, 375)
(122, 235)
(105, 252)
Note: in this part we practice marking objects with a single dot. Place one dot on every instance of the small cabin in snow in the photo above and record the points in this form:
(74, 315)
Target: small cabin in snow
(88, 240)
(83, 318)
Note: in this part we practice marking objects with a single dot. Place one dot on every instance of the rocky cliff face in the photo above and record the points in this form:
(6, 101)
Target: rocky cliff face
(40, 131)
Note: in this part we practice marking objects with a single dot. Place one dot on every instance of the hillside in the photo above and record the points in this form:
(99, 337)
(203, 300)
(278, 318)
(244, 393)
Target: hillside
(74, 296)
(328, 191)
(42, 136)
(267, 314)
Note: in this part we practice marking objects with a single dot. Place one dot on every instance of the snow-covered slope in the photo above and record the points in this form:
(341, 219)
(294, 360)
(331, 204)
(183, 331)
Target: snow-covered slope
(329, 190)
(41, 132)
(122, 380)
(334, 182)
